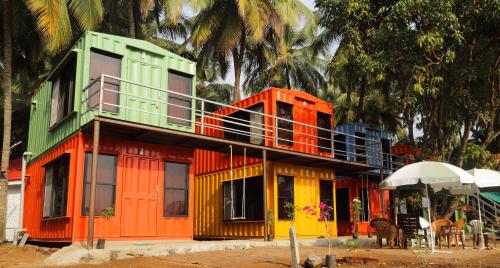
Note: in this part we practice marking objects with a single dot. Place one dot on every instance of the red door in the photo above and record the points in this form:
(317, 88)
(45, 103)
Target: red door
(140, 196)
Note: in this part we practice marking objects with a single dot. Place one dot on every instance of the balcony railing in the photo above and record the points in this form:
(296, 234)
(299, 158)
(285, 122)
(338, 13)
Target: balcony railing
(150, 105)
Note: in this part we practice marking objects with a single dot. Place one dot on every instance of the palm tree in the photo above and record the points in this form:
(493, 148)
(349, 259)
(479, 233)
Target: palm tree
(224, 29)
(54, 22)
(289, 63)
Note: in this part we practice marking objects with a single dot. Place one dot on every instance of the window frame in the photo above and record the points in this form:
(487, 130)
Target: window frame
(291, 193)
(115, 171)
(189, 121)
(166, 189)
(91, 80)
(289, 139)
(56, 76)
(247, 201)
(56, 163)
(326, 137)
(332, 212)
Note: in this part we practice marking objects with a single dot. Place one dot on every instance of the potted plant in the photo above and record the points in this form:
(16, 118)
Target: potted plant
(270, 223)
(107, 213)
(325, 212)
(356, 212)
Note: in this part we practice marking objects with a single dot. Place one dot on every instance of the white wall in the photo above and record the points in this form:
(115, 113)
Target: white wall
(13, 203)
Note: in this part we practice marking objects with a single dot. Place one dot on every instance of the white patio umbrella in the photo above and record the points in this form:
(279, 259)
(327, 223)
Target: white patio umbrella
(437, 175)
(483, 178)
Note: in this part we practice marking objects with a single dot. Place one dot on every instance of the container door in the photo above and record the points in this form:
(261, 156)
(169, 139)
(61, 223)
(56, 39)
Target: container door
(305, 137)
(140, 196)
(145, 102)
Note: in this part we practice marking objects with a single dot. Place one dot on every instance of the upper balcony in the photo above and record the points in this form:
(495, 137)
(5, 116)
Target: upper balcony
(143, 92)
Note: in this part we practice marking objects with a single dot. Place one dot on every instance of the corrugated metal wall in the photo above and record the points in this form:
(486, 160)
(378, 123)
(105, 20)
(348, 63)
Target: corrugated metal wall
(55, 229)
(142, 62)
(305, 108)
(209, 211)
(374, 197)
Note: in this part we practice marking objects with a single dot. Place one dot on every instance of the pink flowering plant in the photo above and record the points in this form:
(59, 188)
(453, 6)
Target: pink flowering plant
(324, 215)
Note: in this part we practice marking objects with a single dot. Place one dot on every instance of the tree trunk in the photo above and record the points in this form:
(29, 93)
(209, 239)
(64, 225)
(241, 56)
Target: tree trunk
(7, 110)
(238, 56)
(288, 83)
(452, 206)
(362, 93)
(131, 20)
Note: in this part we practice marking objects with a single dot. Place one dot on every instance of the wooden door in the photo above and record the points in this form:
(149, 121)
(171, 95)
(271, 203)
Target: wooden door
(140, 196)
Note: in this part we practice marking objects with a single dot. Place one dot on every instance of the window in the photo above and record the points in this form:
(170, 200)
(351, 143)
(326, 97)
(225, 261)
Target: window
(285, 195)
(105, 185)
(63, 91)
(176, 192)
(324, 136)
(179, 107)
(360, 147)
(340, 146)
(245, 126)
(285, 128)
(254, 207)
(56, 187)
(386, 152)
(326, 195)
(363, 195)
(105, 63)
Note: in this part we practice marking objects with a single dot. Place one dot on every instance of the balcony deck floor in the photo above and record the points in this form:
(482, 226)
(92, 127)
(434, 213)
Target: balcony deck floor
(152, 134)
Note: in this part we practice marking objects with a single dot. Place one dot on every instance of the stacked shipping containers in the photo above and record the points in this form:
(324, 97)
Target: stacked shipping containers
(144, 190)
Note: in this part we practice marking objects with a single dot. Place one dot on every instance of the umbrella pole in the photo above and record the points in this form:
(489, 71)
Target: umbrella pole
(480, 220)
(430, 219)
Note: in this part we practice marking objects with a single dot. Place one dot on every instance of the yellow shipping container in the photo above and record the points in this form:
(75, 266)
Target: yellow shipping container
(211, 220)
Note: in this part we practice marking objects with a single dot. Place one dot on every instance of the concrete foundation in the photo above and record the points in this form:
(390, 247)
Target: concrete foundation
(116, 250)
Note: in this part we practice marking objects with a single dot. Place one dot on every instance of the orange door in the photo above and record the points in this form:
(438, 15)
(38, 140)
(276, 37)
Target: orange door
(305, 136)
(140, 196)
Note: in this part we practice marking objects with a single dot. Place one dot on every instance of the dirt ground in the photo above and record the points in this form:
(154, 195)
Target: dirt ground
(274, 257)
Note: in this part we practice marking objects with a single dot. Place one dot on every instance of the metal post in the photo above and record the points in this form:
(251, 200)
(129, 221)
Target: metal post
(430, 218)
(480, 218)
(332, 143)
(93, 181)
(276, 132)
(202, 130)
(382, 194)
(101, 97)
(264, 188)
(23, 187)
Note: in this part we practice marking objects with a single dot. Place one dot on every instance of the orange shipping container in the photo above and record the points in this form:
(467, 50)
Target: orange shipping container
(144, 191)
(305, 109)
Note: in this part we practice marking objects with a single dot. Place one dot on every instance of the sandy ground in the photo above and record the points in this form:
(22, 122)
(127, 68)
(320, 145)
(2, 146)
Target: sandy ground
(274, 257)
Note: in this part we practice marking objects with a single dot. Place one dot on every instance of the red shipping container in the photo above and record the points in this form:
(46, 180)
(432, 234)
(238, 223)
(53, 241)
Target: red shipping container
(138, 200)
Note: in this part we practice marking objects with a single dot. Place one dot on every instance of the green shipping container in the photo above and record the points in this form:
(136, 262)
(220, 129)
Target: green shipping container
(71, 97)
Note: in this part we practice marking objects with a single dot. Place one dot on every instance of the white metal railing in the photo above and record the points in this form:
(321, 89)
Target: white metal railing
(223, 122)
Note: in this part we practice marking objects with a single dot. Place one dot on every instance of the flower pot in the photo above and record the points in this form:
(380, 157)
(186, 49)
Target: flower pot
(355, 235)
(270, 237)
(100, 243)
(369, 234)
(331, 261)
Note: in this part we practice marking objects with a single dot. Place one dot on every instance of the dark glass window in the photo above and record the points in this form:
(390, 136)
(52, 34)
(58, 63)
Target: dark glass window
(245, 126)
(386, 152)
(285, 195)
(101, 63)
(360, 147)
(324, 136)
(285, 128)
(176, 189)
(326, 195)
(105, 190)
(63, 91)
(343, 204)
(363, 195)
(179, 107)
(253, 204)
(56, 187)
(340, 146)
